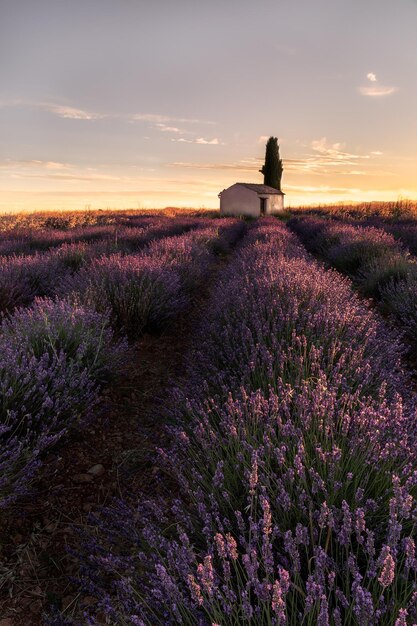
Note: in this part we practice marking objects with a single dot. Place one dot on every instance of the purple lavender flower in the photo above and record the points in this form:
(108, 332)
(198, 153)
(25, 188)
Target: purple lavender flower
(295, 401)
(206, 575)
(402, 618)
(323, 618)
(387, 564)
(52, 357)
(278, 603)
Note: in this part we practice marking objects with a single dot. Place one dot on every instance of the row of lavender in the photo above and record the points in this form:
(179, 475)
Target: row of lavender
(292, 460)
(25, 276)
(402, 227)
(403, 231)
(127, 232)
(380, 264)
(56, 354)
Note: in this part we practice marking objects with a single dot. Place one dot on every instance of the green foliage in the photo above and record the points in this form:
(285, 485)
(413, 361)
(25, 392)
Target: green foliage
(272, 170)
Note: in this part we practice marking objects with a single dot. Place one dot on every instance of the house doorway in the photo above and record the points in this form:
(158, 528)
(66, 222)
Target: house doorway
(263, 205)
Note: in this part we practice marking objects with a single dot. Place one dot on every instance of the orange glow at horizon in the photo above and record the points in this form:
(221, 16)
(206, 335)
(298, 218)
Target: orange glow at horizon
(320, 176)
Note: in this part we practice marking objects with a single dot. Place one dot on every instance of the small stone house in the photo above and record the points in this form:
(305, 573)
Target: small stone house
(251, 200)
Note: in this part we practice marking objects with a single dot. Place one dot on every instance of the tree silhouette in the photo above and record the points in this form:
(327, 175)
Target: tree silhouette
(272, 170)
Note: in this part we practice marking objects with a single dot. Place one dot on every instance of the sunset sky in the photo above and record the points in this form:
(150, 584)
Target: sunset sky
(153, 103)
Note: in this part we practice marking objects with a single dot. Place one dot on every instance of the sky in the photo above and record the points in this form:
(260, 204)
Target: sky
(154, 103)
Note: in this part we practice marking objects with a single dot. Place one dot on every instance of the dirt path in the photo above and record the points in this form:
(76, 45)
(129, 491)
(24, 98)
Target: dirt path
(113, 455)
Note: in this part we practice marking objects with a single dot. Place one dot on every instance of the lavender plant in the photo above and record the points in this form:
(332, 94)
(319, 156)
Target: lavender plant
(73, 256)
(145, 291)
(57, 327)
(24, 278)
(405, 232)
(139, 292)
(349, 248)
(281, 301)
(293, 452)
(53, 356)
(40, 399)
(127, 235)
(400, 297)
(383, 269)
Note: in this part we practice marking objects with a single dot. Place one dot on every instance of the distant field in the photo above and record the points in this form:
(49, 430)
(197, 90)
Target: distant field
(209, 421)
(72, 219)
(400, 209)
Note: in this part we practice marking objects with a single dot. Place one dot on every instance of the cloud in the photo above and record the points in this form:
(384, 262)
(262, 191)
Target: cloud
(249, 165)
(165, 124)
(334, 153)
(50, 170)
(72, 113)
(168, 129)
(33, 163)
(322, 158)
(321, 189)
(331, 158)
(157, 118)
(210, 142)
(376, 90)
(78, 177)
(199, 140)
(60, 110)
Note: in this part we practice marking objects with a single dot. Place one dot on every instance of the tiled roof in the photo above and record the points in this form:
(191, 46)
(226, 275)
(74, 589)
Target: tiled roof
(261, 189)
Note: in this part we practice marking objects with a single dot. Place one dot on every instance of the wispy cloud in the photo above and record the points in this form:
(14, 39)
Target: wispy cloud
(77, 177)
(72, 113)
(52, 170)
(151, 117)
(200, 141)
(249, 165)
(209, 142)
(331, 158)
(167, 124)
(157, 118)
(335, 151)
(320, 189)
(64, 111)
(164, 128)
(321, 158)
(33, 164)
(375, 89)
(162, 123)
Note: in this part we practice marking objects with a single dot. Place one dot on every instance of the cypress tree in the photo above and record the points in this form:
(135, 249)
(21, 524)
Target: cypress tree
(272, 170)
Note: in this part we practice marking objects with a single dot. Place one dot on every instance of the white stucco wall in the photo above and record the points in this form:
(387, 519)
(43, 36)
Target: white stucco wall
(239, 200)
(275, 204)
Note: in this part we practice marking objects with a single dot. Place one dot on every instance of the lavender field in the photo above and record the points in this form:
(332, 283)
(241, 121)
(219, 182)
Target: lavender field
(208, 421)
